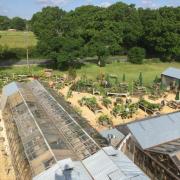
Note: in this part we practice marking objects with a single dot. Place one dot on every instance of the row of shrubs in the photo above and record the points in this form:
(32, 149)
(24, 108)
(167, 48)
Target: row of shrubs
(17, 53)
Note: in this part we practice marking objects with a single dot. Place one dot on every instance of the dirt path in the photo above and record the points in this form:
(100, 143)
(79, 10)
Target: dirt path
(6, 169)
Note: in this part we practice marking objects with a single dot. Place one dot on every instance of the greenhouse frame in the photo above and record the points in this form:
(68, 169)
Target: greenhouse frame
(40, 131)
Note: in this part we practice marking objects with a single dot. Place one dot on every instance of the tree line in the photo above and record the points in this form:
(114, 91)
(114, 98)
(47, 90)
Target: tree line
(97, 31)
(119, 29)
(12, 23)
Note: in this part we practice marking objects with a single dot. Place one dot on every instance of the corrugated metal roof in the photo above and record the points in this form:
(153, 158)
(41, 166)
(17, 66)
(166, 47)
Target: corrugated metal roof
(126, 166)
(117, 166)
(157, 130)
(100, 166)
(106, 164)
(57, 173)
(172, 72)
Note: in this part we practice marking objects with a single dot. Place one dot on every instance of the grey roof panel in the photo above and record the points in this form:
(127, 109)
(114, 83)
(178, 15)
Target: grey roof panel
(172, 72)
(157, 130)
(126, 166)
(111, 163)
(114, 132)
(56, 172)
(100, 166)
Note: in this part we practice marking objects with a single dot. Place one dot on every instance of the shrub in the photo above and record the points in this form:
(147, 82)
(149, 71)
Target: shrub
(136, 55)
(104, 120)
(90, 102)
(106, 102)
(72, 73)
(69, 94)
(17, 53)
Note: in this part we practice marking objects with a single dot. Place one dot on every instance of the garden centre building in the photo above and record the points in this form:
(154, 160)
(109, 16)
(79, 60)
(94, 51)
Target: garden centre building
(47, 140)
(154, 145)
(170, 76)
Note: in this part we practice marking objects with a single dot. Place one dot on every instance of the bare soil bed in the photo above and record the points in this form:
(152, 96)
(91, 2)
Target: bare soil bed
(6, 169)
(92, 117)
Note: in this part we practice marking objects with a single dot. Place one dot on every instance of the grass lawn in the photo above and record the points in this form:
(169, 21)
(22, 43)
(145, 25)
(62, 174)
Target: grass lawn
(17, 39)
(21, 70)
(131, 71)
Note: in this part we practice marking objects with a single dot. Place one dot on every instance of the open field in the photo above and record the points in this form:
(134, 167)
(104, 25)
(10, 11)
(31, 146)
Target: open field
(17, 39)
(132, 71)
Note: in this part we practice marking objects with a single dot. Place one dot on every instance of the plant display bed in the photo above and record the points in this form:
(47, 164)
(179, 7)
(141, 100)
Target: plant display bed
(139, 90)
(123, 87)
(106, 102)
(117, 94)
(104, 120)
(156, 91)
(148, 107)
(83, 85)
(125, 111)
(91, 103)
(96, 92)
(173, 105)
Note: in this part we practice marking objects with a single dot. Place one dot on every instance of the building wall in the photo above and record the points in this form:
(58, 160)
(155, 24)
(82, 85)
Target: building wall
(149, 164)
(168, 81)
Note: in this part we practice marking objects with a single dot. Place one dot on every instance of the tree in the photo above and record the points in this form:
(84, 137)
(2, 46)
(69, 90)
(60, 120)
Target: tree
(136, 55)
(140, 79)
(91, 31)
(156, 79)
(177, 98)
(128, 17)
(72, 73)
(4, 23)
(102, 53)
(18, 23)
(161, 34)
(124, 78)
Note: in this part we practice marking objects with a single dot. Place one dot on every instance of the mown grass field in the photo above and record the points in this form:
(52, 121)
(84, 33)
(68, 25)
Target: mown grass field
(131, 71)
(17, 39)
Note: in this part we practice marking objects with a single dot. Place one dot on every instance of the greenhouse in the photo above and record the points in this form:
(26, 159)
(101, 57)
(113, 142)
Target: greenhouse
(40, 131)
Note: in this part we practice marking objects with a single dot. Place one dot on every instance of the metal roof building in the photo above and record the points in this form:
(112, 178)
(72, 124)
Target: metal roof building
(172, 72)
(106, 164)
(111, 164)
(170, 77)
(65, 170)
(156, 130)
(46, 142)
(155, 143)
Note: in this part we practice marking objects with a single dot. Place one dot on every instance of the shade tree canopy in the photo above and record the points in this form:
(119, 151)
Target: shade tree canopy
(115, 30)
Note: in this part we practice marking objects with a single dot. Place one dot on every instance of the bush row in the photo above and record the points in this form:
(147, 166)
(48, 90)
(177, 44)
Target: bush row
(18, 53)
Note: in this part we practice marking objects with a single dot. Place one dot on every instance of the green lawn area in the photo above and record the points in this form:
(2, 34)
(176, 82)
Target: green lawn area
(36, 70)
(132, 71)
(17, 39)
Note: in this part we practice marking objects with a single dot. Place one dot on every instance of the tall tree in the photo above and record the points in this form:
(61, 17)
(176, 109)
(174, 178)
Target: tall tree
(18, 23)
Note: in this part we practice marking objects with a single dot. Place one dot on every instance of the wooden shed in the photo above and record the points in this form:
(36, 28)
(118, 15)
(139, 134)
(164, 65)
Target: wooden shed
(170, 77)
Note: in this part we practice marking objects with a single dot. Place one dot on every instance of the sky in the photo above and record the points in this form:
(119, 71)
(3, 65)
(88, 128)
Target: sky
(26, 8)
